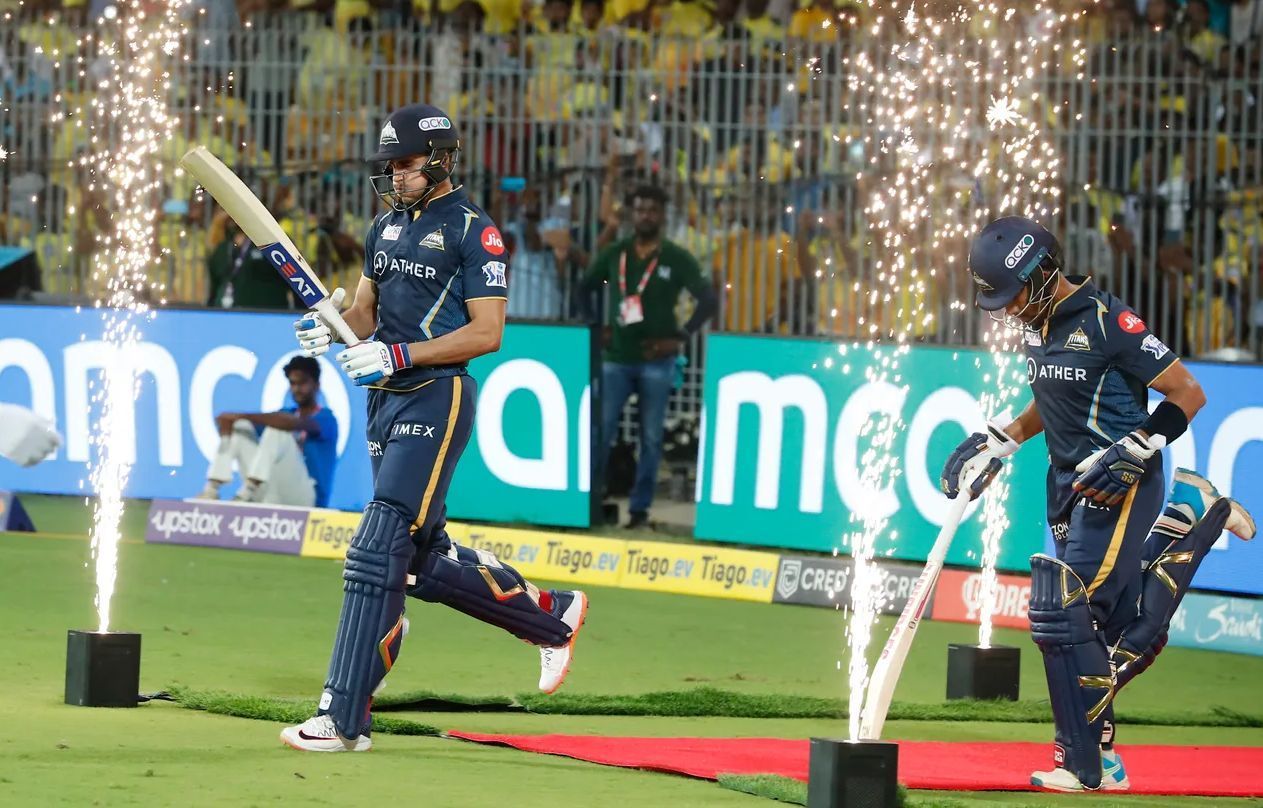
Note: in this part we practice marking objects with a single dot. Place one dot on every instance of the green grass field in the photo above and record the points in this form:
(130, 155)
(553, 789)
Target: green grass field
(261, 625)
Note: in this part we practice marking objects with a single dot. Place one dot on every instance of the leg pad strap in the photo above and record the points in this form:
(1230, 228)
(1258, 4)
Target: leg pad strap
(477, 583)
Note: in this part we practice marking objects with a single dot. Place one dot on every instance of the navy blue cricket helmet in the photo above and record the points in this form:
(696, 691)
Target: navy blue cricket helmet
(1004, 257)
(416, 129)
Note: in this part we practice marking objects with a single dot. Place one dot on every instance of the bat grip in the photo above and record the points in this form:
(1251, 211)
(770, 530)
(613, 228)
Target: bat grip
(329, 313)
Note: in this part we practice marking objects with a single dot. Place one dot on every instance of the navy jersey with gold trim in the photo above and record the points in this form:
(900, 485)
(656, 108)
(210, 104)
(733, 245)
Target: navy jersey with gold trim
(1089, 371)
(427, 265)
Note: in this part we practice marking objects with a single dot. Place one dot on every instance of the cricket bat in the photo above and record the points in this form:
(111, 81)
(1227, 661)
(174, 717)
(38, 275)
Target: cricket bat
(261, 227)
(881, 685)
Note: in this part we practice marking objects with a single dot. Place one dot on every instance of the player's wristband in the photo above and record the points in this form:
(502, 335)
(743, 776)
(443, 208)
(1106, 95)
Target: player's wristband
(400, 356)
(1166, 420)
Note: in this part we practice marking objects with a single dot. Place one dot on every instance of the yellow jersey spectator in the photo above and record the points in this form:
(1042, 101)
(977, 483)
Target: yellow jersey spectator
(814, 21)
(760, 274)
(1198, 37)
(685, 19)
(763, 29)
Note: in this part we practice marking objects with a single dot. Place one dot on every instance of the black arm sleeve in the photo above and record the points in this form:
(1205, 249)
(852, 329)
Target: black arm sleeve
(707, 305)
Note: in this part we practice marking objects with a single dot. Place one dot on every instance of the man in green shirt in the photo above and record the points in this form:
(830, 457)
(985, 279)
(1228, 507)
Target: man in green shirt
(644, 275)
(242, 278)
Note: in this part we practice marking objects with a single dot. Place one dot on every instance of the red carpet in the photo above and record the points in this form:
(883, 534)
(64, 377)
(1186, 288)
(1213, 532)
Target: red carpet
(1211, 771)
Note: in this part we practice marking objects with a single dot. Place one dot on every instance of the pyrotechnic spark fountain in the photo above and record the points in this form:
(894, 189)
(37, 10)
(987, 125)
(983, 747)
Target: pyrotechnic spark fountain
(129, 122)
(995, 517)
(868, 593)
(922, 100)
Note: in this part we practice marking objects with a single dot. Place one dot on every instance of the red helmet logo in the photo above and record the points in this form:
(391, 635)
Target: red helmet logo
(1130, 322)
(492, 242)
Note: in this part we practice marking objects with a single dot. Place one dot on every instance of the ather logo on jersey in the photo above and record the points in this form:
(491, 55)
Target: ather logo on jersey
(1061, 373)
(492, 242)
(383, 262)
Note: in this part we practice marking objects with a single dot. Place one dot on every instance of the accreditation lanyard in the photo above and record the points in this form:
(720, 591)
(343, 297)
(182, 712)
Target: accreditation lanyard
(631, 310)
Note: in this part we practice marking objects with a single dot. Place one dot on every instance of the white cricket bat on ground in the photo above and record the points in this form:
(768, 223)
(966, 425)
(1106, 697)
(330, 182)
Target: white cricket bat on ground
(261, 227)
(881, 685)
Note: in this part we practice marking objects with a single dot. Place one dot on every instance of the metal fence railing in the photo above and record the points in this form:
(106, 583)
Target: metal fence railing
(762, 144)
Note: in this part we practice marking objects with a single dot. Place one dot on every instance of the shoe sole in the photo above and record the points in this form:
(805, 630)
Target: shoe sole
(574, 635)
(1124, 785)
(1246, 522)
(1059, 789)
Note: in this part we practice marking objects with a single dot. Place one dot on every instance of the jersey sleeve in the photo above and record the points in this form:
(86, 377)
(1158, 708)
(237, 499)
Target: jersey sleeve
(694, 277)
(1133, 347)
(370, 239)
(484, 261)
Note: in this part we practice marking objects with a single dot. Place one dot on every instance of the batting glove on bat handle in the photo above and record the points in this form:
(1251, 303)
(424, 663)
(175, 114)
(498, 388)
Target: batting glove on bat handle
(314, 335)
(370, 362)
(1108, 475)
(961, 464)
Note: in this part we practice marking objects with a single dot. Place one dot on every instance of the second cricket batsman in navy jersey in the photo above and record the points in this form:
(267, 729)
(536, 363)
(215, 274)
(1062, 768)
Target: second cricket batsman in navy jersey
(432, 297)
(1100, 609)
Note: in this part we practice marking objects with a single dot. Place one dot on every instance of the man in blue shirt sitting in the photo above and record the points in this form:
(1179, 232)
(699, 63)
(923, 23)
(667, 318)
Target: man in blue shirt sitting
(286, 457)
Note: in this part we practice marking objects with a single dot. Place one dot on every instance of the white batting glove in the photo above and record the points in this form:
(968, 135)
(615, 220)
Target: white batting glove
(26, 438)
(313, 333)
(373, 361)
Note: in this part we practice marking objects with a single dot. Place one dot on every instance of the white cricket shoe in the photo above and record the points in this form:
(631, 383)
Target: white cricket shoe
(1240, 523)
(1058, 779)
(318, 734)
(1113, 777)
(554, 661)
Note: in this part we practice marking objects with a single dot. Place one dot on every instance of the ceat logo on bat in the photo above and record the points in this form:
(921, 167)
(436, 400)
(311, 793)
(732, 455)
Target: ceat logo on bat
(492, 242)
(1130, 322)
(286, 265)
(282, 262)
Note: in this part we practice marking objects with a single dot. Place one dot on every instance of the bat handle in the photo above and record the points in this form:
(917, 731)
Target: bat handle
(329, 313)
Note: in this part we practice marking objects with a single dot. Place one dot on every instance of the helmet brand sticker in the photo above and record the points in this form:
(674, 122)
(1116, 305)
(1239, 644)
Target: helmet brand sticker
(1023, 247)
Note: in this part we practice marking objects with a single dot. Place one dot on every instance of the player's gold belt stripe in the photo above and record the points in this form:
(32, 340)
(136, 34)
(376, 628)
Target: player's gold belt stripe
(452, 414)
(1116, 542)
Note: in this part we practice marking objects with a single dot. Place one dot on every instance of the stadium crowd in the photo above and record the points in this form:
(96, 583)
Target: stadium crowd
(740, 109)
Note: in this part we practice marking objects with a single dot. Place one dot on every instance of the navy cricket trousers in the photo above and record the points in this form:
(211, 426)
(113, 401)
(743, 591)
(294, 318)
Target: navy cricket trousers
(415, 440)
(1104, 546)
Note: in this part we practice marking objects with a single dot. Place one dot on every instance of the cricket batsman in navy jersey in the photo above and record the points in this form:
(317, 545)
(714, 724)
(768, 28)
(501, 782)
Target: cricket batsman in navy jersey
(432, 297)
(1100, 609)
